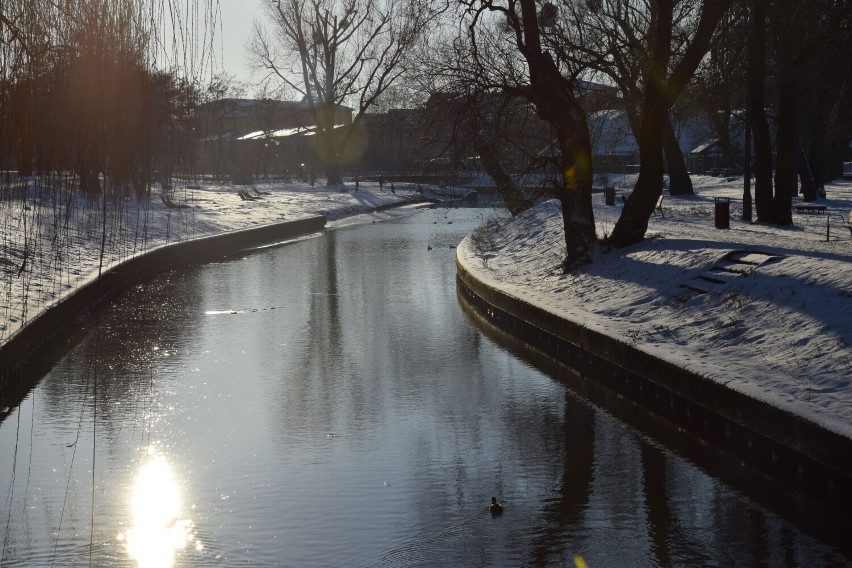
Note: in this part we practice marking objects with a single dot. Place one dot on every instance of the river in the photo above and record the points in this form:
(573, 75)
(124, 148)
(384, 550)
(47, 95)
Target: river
(327, 402)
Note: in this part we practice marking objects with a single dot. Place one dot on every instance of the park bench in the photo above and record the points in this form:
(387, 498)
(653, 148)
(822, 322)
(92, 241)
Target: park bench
(167, 201)
(811, 209)
(657, 207)
(246, 196)
(845, 222)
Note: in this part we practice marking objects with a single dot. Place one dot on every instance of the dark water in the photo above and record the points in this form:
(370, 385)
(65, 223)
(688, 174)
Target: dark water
(328, 403)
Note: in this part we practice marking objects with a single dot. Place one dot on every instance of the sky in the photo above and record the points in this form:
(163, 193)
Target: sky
(234, 31)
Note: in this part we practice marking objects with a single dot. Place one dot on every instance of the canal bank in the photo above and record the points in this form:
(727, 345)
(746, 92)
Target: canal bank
(48, 333)
(784, 446)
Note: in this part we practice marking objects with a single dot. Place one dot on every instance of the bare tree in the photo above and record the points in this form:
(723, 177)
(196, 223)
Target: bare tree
(523, 63)
(669, 38)
(472, 112)
(79, 80)
(794, 45)
(613, 34)
(338, 52)
(718, 89)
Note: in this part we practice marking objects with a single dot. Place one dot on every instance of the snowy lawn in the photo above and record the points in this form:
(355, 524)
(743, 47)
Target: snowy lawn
(773, 322)
(53, 239)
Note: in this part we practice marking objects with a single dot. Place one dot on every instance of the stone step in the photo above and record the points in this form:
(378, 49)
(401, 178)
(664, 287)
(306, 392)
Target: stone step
(706, 285)
(754, 258)
(734, 267)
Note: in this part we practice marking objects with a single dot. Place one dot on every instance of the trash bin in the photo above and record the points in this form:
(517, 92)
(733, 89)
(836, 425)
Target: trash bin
(723, 212)
(609, 195)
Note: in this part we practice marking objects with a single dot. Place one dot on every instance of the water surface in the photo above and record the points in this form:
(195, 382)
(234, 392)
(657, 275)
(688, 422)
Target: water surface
(328, 403)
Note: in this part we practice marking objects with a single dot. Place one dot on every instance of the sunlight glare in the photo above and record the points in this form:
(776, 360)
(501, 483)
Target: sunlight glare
(157, 532)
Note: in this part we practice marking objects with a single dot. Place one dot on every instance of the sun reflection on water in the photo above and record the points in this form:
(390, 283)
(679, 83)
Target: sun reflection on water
(157, 532)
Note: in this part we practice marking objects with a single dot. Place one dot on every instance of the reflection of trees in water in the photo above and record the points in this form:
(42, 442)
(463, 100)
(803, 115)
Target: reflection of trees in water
(695, 517)
(383, 349)
(659, 514)
(565, 514)
(687, 515)
(315, 372)
(369, 323)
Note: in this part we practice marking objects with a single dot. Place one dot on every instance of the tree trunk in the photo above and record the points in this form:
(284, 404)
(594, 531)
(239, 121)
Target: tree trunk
(553, 96)
(786, 176)
(333, 174)
(327, 144)
(575, 192)
(514, 199)
(757, 114)
(762, 166)
(477, 130)
(679, 180)
(633, 221)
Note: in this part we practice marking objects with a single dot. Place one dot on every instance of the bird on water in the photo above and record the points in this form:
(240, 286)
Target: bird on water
(495, 508)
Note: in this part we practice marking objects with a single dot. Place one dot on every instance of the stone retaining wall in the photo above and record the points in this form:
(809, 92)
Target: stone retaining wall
(815, 461)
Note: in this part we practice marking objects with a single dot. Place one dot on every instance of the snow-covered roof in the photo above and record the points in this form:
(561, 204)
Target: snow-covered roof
(265, 135)
(702, 147)
(281, 133)
(612, 135)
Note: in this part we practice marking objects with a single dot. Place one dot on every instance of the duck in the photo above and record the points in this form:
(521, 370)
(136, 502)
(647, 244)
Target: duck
(496, 509)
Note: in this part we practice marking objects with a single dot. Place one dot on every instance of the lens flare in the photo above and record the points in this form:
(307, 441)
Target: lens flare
(569, 176)
(157, 533)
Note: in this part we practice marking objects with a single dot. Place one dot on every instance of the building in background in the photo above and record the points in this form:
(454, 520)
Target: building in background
(244, 139)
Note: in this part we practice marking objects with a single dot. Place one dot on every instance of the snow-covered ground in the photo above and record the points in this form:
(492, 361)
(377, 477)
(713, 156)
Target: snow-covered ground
(774, 322)
(53, 240)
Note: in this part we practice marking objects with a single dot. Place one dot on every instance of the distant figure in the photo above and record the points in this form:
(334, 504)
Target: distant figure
(357, 183)
(381, 183)
(496, 509)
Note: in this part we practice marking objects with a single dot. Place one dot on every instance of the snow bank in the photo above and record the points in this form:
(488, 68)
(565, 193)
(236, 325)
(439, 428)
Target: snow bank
(775, 324)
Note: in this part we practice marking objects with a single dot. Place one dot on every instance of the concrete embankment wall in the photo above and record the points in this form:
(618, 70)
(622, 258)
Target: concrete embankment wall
(817, 462)
(28, 348)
